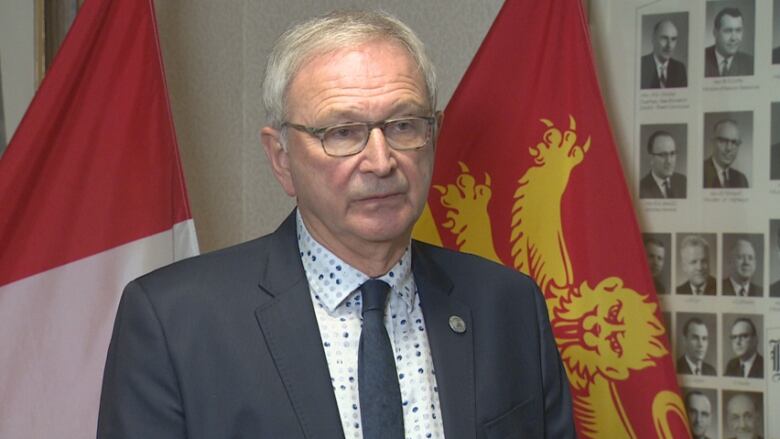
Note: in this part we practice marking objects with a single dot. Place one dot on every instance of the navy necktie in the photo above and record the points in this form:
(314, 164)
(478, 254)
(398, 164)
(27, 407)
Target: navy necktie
(380, 395)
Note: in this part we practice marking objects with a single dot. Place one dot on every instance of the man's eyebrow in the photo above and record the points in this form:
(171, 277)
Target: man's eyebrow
(347, 114)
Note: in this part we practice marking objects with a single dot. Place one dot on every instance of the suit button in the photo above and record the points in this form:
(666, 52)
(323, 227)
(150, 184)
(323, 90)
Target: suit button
(457, 324)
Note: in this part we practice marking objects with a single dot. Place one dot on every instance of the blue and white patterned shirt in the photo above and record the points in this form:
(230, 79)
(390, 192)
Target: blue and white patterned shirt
(337, 305)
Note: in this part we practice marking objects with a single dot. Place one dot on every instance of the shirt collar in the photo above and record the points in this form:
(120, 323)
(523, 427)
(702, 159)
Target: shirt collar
(694, 364)
(332, 281)
(749, 362)
(659, 63)
(718, 168)
(660, 181)
(737, 286)
(720, 59)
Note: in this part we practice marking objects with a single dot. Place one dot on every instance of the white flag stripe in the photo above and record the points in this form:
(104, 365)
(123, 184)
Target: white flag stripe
(51, 361)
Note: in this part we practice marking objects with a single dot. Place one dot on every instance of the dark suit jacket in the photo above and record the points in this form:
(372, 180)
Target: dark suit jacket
(711, 180)
(756, 371)
(675, 73)
(728, 289)
(684, 368)
(709, 287)
(774, 289)
(660, 288)
(227, 345)
(649, 189)
(774, 162)
(741, 65)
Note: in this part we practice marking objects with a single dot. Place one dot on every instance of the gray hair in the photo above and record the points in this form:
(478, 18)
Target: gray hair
(695, 241)
(328, 33)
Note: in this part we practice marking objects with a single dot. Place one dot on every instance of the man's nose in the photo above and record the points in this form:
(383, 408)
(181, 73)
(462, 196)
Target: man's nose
(378, 157)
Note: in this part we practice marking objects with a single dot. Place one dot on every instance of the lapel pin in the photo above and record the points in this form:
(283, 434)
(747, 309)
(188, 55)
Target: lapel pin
(457, 324)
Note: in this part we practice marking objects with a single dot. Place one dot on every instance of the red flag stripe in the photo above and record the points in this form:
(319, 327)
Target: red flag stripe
(78, 176)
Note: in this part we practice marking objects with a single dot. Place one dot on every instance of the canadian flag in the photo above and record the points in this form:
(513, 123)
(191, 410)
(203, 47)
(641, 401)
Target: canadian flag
(91, 196)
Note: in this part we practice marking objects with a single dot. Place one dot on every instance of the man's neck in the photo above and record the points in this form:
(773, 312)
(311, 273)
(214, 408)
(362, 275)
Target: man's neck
(373, 259)
(748, 358)
(718, 167)
(659, 61)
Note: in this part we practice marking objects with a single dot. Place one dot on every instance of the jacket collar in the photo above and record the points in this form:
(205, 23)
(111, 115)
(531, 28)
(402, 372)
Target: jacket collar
(289, 326)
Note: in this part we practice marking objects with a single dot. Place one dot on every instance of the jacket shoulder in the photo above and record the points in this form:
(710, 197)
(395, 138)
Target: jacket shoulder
(466, 268)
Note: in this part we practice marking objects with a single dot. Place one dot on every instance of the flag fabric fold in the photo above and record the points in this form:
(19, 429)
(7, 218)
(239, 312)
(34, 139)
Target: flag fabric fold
(93, 196)
(527, 174)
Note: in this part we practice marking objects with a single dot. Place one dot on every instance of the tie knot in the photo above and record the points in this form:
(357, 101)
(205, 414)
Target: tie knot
(374, 293)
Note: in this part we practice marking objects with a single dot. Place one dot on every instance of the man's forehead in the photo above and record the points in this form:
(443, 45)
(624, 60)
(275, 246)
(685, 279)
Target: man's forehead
(741, 326)
(667, 28)
(727, 127)
(700, 402)
(340, 83)
(695, 250)
(730, 21)
(741, 403)
(664, 142)
(698, 328)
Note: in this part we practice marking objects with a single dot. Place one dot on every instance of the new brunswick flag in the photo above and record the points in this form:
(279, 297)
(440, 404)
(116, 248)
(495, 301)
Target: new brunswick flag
(91, 196)
(527, 174)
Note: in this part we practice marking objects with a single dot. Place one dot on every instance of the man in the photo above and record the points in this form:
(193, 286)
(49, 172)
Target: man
(696, 336)
(724, 57)
(699, 411)
(724, 143)
(662, 181)
(695, 257)
(742, 418)
(264, 339)
(742, 262)
(656, 258)
(659, 69)
(774, 288)
(747, 362)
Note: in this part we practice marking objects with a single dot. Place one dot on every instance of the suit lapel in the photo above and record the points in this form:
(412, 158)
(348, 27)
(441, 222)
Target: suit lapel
(453, 353)
(289, 327)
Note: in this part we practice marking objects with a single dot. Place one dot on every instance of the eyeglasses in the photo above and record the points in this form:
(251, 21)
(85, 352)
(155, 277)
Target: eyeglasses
(741, 337)
(347, 139)
(664, 155)
(727, 141)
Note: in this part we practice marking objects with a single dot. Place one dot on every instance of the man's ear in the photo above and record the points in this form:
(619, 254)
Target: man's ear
(278, 158)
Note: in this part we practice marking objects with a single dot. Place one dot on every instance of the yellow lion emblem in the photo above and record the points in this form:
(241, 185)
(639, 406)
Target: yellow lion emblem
(603, 332)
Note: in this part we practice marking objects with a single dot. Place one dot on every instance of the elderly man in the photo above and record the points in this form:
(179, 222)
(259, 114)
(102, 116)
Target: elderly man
(699, 410)
(747, 362)
(333, 325)
(742, 263)
(724, 144)
(724, 57)
(659, 69)
(742, 418)
(696, 340)
(695, 262)
(662, 181)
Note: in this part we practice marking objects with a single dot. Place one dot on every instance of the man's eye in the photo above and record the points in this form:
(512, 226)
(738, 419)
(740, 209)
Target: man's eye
(345, 132)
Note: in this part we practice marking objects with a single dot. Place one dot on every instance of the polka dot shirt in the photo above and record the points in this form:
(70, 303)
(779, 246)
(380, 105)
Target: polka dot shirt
(337, 304)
